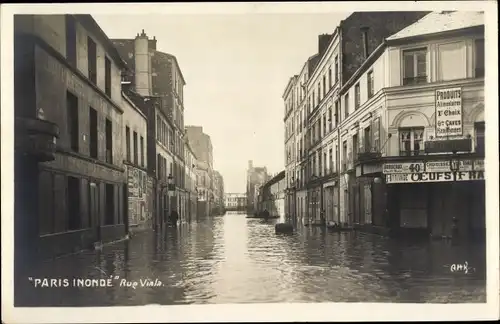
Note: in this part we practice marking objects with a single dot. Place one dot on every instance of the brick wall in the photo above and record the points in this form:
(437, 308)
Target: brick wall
(381, 25)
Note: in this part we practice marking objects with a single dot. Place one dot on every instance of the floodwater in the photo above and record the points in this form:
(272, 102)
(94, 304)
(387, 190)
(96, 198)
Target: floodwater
(232, 259)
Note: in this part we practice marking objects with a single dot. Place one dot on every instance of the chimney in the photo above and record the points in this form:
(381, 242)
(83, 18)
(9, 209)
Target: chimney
(323, 42)
(364, 34)
(152, 43)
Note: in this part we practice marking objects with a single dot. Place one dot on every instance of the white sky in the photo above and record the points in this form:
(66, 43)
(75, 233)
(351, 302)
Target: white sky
(236, 68)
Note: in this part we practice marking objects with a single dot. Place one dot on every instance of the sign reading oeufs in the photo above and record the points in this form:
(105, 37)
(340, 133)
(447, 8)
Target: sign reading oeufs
(449, 112)
(434, 176)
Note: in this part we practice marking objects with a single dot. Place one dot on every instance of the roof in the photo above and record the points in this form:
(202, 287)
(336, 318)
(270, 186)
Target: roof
(443, 21)
(163, 55)
(276, 178)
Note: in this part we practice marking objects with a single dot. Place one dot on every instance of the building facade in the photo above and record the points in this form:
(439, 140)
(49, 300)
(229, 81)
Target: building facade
(271, 196)
(256, 177)
(157, 76)
(218, 194)
(415, 131)
(235, 201)
(290, 99)
(67, 81)
(139, 183)
(318, 193)
(191, 178)
(201, 145)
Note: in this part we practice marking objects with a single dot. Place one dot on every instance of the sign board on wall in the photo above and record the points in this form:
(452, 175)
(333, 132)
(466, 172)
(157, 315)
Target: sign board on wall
(431, 166)
(434, 177)
(449, 112)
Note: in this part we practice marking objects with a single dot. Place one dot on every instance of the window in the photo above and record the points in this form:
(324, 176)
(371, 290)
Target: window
(109, 218)
(324, 85)
(330, 77)
(72, 114)
(71, 39)
(330, 159)
(93, 132)
(107, 76)
(368, 139)
(479, 135)
(92, 60)
(371, 88)
(136, 151)
(344, 155)
(346, 105)
(411, 141)
(330, 122)
(109, 142)
(357, 97)
(337, 113)
(171, 138)
(320, 169)
(325, 161)
(336, 68)
(319, 92)
(127, 142)
(415, 66)
(479, 58)
(324, 124)
(158, 128)
(355, 146)
(73, 203)
(142, 151)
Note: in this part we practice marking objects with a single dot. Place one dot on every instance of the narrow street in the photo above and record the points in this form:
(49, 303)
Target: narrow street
(232, 259)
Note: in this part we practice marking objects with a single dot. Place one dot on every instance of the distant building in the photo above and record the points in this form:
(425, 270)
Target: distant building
(218, 194)
(201, 145)
(190, 182)
(256, 176)
(271, 196)
(235, 201)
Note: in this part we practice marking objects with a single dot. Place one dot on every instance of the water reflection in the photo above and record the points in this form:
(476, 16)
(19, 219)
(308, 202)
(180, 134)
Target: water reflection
(233, 259)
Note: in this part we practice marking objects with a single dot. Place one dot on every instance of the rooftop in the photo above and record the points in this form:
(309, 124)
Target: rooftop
(442, 21)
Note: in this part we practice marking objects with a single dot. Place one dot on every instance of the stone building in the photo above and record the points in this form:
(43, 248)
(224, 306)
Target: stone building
(201, 145)
(218, 194)
(291, 151)
(190, 182)
(235, 201)
(256, 177)
(157, 76)
(414, 130)
(67, 77)
(271, 197)
(339, 55)
(139, 183)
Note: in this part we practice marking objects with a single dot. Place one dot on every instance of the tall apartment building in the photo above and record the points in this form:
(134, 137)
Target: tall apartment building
(156, 75)
(191, 181)
(69, 171)
(340, 54)
(414, 131)
(201, 145)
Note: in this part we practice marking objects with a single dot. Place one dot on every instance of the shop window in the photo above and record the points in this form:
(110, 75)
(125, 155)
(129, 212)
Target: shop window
(479, 136)
(411, 141)
(415, 66)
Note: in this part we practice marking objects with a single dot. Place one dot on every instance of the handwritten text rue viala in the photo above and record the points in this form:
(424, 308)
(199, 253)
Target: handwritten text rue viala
(94, 283)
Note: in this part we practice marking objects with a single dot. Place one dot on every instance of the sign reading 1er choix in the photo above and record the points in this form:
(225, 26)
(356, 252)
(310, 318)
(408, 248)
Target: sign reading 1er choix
(449, 112)
(433, 171)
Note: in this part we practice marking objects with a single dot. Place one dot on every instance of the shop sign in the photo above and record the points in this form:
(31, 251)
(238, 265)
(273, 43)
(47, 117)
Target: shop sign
(432, 166)
(405, 167)
(434, 177)
(448, 112)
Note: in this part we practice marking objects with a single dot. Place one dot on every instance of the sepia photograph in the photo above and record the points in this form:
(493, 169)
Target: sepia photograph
(268, 156)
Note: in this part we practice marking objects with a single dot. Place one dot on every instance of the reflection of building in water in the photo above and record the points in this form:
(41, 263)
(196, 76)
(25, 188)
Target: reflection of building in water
(414, 130)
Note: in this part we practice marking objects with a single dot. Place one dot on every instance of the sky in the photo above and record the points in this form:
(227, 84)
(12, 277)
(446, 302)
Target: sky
(236, 68)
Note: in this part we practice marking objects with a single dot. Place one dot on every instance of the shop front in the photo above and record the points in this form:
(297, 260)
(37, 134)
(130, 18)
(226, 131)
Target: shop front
(443, 198)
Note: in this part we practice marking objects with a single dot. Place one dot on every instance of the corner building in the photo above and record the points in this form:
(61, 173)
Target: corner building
(414, 137)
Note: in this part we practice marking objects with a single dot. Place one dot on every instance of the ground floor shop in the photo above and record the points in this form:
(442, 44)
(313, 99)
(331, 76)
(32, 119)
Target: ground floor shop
(314, 204)
(301, 203)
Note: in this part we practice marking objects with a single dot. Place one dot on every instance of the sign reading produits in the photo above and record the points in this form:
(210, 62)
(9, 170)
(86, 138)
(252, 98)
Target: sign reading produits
(449, 112)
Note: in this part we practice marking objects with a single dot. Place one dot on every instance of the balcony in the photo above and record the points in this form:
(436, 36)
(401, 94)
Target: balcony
(36, 138)
(411, 153)
(368, 156)
(449, 146)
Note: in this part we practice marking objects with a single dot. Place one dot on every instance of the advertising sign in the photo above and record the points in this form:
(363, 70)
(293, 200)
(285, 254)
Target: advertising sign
(405, 167)
(434, 177)
(433, 166)
(448, 112)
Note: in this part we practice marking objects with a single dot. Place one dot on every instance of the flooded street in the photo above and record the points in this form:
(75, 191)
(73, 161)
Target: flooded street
(232, 259)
